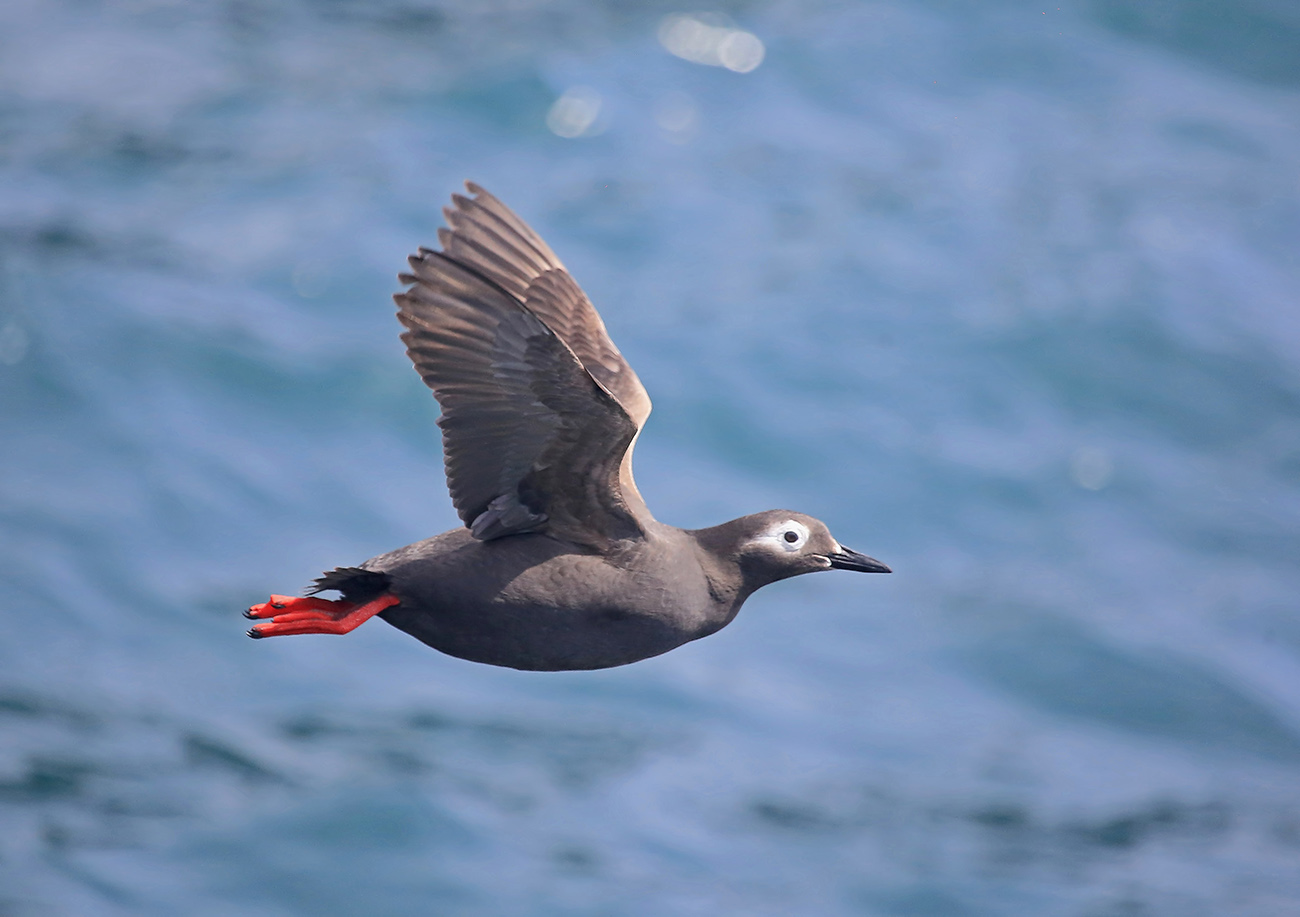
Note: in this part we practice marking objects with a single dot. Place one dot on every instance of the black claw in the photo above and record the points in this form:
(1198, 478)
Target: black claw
(254, 634)
(277, 604)
(248, 613)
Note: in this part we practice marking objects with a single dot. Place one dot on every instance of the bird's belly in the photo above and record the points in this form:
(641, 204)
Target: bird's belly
(541, 638)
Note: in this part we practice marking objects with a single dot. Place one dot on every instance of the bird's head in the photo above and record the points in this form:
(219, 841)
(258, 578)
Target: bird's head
(780, 543)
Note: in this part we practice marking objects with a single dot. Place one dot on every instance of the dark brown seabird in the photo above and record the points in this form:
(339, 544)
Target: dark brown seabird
(560, 565)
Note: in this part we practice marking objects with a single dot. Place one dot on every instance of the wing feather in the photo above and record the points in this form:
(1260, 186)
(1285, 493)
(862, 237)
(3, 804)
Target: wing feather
(531, 441)
(487, 237)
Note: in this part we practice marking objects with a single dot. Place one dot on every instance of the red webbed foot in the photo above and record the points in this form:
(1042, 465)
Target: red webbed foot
(290, 615)
(290, 603)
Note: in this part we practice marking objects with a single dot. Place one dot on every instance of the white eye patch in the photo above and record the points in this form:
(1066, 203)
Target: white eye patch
(787, 537)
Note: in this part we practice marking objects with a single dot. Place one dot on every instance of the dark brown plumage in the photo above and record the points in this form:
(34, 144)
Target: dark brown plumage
(560, 564)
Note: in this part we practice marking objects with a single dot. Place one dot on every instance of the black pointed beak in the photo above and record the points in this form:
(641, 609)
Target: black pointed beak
(847, 559)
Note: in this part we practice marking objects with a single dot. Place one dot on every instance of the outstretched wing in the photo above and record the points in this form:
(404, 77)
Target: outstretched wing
(487, 237)
(532, 442)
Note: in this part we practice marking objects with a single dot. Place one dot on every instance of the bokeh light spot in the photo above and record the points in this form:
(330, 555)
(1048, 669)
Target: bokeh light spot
(575, 114)
(712, 40)
(677, 115)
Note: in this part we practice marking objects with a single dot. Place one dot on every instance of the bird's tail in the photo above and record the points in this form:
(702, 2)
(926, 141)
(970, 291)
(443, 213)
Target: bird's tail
(355, 583)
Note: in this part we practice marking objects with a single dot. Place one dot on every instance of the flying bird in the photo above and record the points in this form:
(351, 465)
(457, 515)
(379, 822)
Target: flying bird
(559, 564)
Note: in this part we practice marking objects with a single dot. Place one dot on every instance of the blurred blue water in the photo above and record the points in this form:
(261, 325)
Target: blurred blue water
(1008, 295)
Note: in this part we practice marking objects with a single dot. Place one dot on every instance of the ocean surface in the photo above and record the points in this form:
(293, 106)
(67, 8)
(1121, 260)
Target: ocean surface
(1007, 294)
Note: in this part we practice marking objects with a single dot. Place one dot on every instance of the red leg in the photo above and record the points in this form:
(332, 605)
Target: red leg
(341, 618)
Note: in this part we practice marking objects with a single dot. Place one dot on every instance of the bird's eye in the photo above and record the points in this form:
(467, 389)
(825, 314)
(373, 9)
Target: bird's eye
(788, 537)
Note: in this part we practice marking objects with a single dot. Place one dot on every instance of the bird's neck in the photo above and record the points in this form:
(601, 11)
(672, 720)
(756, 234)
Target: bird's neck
(728, 585)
